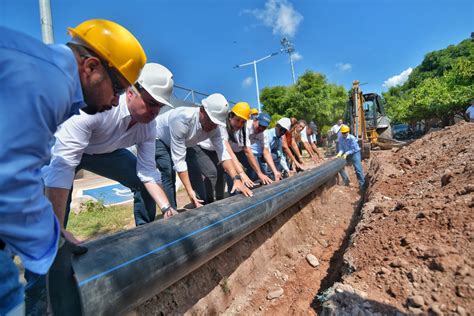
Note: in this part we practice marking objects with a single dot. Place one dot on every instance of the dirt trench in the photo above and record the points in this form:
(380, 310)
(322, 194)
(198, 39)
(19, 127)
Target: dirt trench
(272, 259)
(405, 249)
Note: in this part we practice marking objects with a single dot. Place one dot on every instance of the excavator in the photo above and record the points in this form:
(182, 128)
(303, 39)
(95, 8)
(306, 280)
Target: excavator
(365, 114)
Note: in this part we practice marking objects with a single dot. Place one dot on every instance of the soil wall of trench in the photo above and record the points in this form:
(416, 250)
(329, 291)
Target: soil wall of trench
(267, 272)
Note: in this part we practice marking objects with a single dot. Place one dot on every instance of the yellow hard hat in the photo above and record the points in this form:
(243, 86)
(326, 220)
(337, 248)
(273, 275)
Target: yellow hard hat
(253, 111)
(242, 110)
(345, 129)
(113, 43)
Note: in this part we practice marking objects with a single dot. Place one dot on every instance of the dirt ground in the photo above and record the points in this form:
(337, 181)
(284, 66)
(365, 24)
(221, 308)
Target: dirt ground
(412, 251)
(405, 249)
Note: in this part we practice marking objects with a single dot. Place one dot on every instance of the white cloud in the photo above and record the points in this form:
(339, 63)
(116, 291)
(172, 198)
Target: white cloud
(296, 56)
(398, 79)
(280, 16)
(344, 67)
(247, 82)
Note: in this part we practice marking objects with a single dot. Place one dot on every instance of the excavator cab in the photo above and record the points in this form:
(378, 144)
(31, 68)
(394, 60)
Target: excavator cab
(366, 116)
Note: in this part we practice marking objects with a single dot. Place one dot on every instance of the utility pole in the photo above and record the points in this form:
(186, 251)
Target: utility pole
(254, 63)
(46, 21)
(289, 49)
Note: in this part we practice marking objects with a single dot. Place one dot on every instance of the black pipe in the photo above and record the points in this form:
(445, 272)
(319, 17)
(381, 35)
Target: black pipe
(123, 270)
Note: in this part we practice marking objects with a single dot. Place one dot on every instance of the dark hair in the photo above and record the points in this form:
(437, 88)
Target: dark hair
(230, 132)
(303, 121)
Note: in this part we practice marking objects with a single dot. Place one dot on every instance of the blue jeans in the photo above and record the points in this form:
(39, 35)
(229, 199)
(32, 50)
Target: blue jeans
(11, 290)
(164, 163)
(120, 166)
(355, 160)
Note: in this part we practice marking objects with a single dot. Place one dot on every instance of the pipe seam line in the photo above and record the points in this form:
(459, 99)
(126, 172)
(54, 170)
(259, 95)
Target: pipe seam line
(99, 275)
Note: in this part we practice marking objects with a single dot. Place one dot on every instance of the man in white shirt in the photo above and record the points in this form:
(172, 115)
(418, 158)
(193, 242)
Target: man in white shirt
(177, 131)
(97, 143)
(336, 132)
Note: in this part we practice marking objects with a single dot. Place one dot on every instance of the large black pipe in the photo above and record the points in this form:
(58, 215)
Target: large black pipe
(123, 270)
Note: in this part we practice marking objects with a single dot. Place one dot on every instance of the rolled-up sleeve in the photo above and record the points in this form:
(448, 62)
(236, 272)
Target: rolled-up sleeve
(71, 140)
(146, 164)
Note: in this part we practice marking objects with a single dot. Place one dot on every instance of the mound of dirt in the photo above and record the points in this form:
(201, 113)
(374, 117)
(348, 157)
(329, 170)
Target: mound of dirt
(412, 251)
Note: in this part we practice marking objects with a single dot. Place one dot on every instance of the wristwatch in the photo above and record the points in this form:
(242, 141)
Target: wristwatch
(165, 208)
(237, 177)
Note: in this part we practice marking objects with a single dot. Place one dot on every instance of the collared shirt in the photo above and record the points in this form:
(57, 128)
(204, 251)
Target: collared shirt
(273, 143)
(180, 128)
(40, 89)
(348, 145)
(101, 133)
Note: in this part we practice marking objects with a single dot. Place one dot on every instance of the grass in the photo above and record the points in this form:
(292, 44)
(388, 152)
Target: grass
(225, 285)
(95, 219)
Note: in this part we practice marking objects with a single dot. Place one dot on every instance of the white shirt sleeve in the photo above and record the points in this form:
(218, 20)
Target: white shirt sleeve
(146, 164)
(71, 140)
(178, 133)
(304, 136)
(266, 140)
(218, 139)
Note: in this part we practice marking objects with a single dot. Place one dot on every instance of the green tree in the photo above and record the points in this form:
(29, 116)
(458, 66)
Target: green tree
(312, 98)
(440, 87)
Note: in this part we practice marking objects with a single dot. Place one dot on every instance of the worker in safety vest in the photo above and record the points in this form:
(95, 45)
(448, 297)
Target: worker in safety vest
(45, 85)
(349, 149)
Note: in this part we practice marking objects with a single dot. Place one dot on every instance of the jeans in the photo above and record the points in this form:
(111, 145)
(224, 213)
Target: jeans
(11, 290)
(205, 173)
(120, 166)
(164, 163)
(355, 160)
(36, 296)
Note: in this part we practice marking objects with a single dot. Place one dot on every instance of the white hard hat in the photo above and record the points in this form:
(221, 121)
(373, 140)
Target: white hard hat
(217, 108)
(285, 123)
(158, 81)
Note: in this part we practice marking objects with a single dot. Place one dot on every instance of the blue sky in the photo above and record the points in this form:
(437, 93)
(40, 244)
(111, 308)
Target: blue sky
(201, 41)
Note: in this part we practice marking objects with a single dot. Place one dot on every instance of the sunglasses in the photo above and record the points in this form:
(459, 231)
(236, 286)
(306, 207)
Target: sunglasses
(116, 85)
(146, 97)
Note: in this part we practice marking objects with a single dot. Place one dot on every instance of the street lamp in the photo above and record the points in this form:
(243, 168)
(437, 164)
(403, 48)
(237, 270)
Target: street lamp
(289, 49)
(254, 63)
